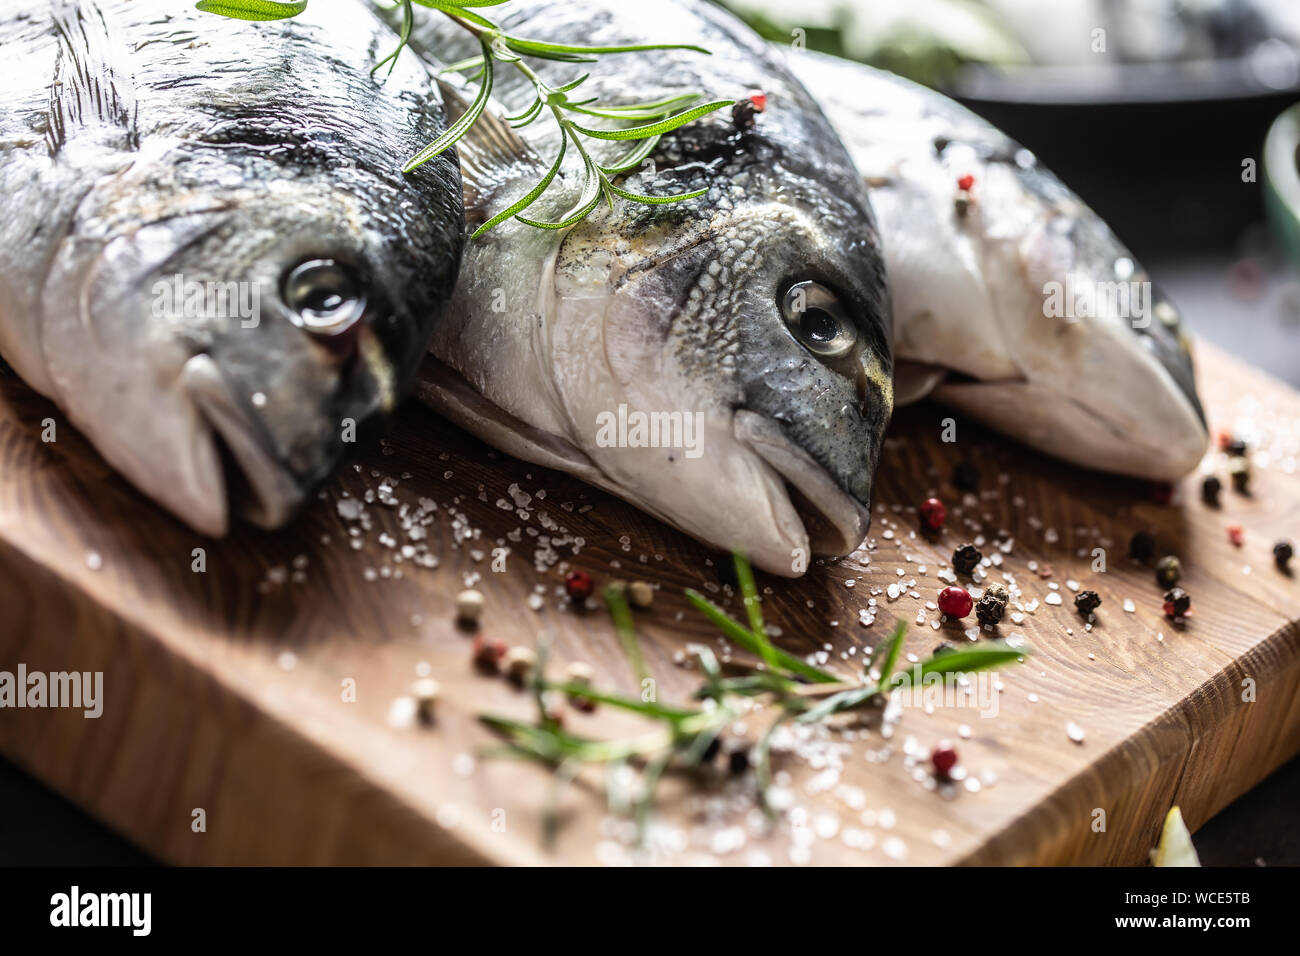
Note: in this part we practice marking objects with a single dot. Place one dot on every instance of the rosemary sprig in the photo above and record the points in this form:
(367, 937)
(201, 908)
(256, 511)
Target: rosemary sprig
(686, 733)
(650, 120)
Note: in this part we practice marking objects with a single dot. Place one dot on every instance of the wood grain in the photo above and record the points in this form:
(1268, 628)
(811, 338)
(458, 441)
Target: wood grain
(224, 690)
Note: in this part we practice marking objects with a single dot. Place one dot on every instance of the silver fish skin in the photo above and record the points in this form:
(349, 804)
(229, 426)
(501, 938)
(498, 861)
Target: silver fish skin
(209, 257)
(992, 309)
(695, 310)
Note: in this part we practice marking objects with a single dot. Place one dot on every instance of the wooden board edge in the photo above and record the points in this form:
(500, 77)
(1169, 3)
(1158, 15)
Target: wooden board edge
(238, 763)
(1171, 760)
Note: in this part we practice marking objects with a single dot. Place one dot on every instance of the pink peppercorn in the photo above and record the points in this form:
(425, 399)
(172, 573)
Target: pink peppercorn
(944, 758)
(933, 514)
(955, 602)
(578, 585)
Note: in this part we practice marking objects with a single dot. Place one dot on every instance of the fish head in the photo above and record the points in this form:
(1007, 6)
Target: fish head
(761, 316)
(1113, 384)
(235, 331)
(1075, 350)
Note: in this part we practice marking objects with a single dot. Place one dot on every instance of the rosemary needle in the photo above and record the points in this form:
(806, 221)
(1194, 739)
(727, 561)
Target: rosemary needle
(650, 120)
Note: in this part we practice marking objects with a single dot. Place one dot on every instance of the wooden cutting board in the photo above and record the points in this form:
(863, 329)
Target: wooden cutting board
(227, 691)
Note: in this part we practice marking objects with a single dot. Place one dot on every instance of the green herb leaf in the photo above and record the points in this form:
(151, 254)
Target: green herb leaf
(404, 38)
(753, 608)
(531, 197)
(538, 48)
(893, 648)
(253, 9)
(742, 637)
(456, 9)
(463, 124)
(654, 129)
(633, 704)
(591, 193)
(966, 660)
(626, 630)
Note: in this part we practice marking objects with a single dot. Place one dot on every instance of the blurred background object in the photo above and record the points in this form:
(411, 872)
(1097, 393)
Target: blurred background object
(1154, 111)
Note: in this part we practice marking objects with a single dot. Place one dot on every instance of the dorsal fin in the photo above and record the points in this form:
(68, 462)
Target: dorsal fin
(486, 151)
(91, 86)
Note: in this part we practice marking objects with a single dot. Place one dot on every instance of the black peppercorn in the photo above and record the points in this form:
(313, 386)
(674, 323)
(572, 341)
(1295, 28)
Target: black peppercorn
(738, 761)
(1087, 602)
(992, 605)
(1177, 603)
(743, 115)
(1168, 571)
(711, 751)
(966, 558)
(1239, 471)
(1142, 546)
(1210, 489)
(1235, 447)
(966, 477)
(1283, 552)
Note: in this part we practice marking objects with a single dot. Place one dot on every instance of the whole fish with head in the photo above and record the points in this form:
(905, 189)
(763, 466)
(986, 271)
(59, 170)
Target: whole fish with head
(1013, 301)
(723, 363)
(209, 257)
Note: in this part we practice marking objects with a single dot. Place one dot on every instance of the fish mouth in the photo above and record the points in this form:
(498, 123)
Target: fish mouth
(834, 522)
(256, 483)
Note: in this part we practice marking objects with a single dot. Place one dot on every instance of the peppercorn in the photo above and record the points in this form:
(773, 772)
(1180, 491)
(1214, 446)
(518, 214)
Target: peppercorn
(469, 607)
(1177, 603)
(1087, 601)
(1239, 471)
(488, 653)
(955, 602)
(1168, 571)
(943, 758)
(933, 514)
(961, 205)
(640, 594)
(966, 558)
(1210, 489)
(992, 605)
(1283, 552)
(943, 648)
(519, 663)
(1236, 535)
(711, 751)
(1162, 492)
(553, 707)
(1142, 546)
(425, 691)
(745, 112)
(1232, 445)
(738, 761)
(578, 585)
(580, 674)
(965, 476)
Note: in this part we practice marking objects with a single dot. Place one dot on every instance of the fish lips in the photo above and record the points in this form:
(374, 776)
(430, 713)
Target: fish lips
(834, 521)
(270, 492)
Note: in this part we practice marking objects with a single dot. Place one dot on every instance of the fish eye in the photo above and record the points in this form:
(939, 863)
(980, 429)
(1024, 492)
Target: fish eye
(325, 297)
(816, 318)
